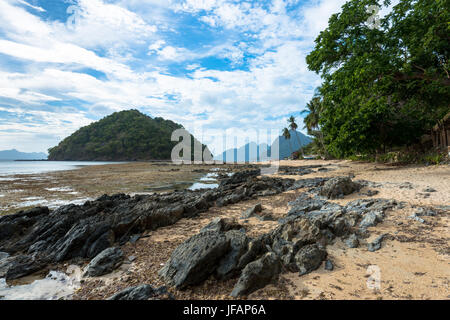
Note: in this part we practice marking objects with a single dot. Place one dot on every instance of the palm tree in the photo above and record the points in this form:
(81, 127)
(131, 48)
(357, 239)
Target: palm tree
(293, 126)
(314, 109)
(287, 135)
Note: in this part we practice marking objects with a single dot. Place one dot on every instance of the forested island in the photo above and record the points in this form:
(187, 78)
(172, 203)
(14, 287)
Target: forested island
(122, 136)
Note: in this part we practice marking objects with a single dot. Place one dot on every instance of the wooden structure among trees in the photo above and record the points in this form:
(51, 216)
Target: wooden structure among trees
(441, 133)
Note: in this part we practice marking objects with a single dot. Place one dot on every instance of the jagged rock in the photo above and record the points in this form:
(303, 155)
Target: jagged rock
(305, 204)
(142, 292)
(352, 241)
(285, 250)
(222, 225)
(406, 185)
(3, 255)
(370, 193)
(425, 212)
(105, 262)
(362, 206)
(18, 266)
(251, 211)
(255, 248)
(371, 219)
(308, 183)
(309, 258)
(228, 265)
(196, 259)
(257, 275)
(240, 177)
(83, 231)
(299, 232)
(429, 189)
(376, 244)
(339, 187)
(300, 171)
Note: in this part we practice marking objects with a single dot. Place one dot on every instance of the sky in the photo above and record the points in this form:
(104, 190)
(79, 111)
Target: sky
(210, 65)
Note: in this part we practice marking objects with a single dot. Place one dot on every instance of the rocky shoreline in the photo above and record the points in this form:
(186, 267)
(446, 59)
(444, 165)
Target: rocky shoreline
(32, 239)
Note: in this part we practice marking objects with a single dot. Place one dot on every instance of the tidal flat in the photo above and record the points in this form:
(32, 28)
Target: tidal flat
(54, 189)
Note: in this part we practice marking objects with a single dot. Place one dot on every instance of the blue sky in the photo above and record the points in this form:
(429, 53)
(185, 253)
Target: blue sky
(211, 65)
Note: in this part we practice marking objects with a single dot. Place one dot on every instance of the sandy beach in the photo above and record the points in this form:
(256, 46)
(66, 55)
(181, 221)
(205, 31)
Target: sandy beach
(413, 262)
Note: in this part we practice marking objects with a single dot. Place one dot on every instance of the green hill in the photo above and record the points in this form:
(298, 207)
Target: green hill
(122, 136)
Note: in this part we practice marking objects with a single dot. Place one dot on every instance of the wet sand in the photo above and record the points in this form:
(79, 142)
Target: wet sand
(54, 189)
(413, 262)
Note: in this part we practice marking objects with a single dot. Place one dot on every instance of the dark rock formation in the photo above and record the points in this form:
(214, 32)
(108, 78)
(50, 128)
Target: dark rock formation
(229, 264)
(376, 244)
(252, 211)
(83, 231)
(309, 258)
(222, 225)
(105, 262)
(257, 275)
(339, 187)
(142, 292)
(196, 259)
(18, 266)
(352, 241)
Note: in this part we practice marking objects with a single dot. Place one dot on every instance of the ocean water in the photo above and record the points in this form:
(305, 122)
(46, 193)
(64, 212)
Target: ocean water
(8, 168)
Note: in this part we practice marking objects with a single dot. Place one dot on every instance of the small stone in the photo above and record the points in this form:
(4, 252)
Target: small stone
(329, 265)
(352, 241)
(252, 211)
(376, 244)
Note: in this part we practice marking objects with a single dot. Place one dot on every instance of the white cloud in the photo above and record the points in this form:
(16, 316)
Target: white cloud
(274, 83)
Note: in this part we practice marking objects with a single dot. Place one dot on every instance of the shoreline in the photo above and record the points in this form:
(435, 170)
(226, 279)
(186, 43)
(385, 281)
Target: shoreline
(414, 262)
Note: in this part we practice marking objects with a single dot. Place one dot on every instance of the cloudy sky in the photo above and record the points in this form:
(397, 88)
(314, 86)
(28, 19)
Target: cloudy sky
(210, 64)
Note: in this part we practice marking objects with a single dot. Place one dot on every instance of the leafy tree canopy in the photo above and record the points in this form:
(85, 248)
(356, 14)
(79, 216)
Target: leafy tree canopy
(386, 86)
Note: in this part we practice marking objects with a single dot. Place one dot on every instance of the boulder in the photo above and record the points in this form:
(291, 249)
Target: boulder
(19, 266)
(299, 232)
(142, 292)
(83, 231)
(376, 244)
(309, 258)
(352, 241)
(371, 219)
(228, 265)
(339, 187)
(252, 211)
(255, 249)
(3, 255)
(105, 262)
(257, 275)
(196, 259)
(222, 225)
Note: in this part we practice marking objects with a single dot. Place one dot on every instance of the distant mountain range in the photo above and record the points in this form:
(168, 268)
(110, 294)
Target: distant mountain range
(252, 152)
(17, 155)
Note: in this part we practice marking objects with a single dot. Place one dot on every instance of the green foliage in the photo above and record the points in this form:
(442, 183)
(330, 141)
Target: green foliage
(381, 87)
(126, 135)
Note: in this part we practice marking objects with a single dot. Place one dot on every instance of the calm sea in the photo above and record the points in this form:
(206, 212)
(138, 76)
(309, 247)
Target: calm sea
(32, 167)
